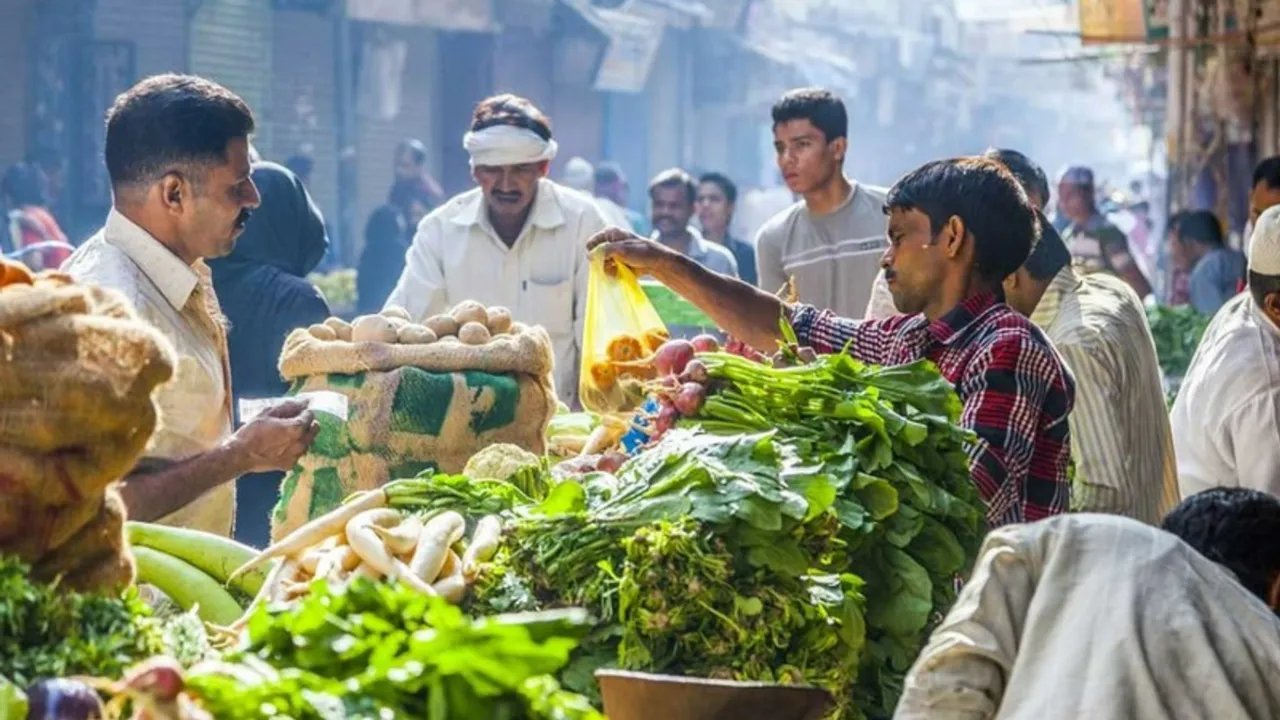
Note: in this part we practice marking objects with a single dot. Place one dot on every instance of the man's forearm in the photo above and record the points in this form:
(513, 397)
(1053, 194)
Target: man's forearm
(157, 488)
(741, 310)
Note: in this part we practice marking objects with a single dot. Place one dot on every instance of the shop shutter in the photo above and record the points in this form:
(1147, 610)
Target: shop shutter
(231, 44)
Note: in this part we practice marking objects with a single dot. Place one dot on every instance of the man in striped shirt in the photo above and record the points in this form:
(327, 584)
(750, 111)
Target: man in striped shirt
(957, 228)
(1120, 436)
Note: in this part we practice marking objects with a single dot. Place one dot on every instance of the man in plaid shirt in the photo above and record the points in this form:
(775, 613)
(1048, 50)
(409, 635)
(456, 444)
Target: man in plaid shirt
(957, 228)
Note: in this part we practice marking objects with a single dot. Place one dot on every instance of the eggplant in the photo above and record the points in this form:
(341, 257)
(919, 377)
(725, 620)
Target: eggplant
(63, 699)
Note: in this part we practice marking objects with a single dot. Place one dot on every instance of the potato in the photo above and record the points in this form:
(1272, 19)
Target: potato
(395, 311)
(469, 311)
(442, 325)
(341, 327)
(473, 333)
(517, 328)
(396, 322)
(373, 328)
(412, 334)
(499, 320)
(322, 332)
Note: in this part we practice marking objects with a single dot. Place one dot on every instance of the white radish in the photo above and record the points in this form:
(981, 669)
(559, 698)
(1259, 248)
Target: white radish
(484, 544)
(315, 531)
(438, 535)
(369, 547)
(452, 588)
(402, 538)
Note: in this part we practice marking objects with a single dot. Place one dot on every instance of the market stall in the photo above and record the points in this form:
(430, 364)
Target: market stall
(456, 545)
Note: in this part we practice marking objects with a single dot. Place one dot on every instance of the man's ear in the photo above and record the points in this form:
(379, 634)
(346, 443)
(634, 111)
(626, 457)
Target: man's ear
(1271, 306)
(953, 236)
(1273, 593)
(543, 168)
(839, 147)
(174, 192)
(1011, 281)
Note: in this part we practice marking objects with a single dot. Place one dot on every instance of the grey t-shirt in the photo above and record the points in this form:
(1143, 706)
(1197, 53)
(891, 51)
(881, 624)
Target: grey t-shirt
(834, 257)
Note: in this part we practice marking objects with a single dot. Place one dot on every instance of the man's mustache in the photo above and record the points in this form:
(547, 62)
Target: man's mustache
(243, 218)
(890, 274)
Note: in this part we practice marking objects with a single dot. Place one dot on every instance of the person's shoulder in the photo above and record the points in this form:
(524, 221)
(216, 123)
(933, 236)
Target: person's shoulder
(871, 196)
(1013, 340)
(98, 262)
(456, 205)
(779, 226)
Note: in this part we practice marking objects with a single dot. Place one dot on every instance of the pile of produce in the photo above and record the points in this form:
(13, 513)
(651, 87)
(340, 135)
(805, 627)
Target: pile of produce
(75, 414)
(1177, 332)
(797, 524)
(470, 379)
(384, 650)
(368, 537)
(468, 322)
(48, 631)
(193, 570)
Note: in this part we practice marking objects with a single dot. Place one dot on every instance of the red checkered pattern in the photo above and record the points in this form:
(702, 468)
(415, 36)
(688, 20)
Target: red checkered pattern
(1015, 390)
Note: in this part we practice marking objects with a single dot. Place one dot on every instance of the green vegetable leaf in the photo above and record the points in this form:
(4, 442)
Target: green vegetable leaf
(566, 498)
(876, 495)
(901, 606)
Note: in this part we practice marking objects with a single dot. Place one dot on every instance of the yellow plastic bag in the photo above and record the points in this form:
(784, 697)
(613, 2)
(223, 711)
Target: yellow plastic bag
(622, 330)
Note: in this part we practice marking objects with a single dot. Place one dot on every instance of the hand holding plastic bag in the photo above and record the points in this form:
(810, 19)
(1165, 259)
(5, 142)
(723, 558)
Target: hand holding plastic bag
(622, 330)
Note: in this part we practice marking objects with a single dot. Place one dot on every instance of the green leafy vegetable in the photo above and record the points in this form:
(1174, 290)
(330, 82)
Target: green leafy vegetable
(46, 632)
(374, 650)
(807, 526)
(1177, 332)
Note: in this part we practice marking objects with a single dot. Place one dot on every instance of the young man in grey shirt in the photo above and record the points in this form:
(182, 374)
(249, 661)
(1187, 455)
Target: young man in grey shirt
(832, 240)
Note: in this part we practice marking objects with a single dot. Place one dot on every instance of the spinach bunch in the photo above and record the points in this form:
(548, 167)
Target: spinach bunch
(377, 650)
(47, 632)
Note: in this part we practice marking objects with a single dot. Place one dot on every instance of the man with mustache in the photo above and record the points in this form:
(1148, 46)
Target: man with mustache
(672, 196)
(177, 152)
(517, 240)
(957, 228)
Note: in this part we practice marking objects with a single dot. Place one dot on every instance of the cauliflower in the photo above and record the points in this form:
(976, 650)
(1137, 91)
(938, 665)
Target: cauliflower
(512, 464)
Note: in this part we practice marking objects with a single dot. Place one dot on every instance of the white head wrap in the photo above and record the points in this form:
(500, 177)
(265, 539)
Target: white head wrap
(500, 145)
(1264, 245)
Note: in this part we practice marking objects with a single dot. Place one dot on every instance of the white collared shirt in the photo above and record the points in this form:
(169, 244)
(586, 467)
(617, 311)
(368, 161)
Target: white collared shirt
(542, 278)
(195, 408)
(1226, 420)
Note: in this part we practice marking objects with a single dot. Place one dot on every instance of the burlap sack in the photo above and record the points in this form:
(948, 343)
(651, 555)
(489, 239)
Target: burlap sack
(528, 352)
(77, 370)
(404, 421)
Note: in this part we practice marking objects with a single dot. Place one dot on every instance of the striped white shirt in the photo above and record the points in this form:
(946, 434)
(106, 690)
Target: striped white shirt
(1120, 436)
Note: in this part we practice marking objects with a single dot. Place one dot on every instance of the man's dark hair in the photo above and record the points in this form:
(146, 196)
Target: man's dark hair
(22, 185)
(405, 192)
(987, 199)
(508, 109)
(1260, 286)
(1028, 174)
(1268, 171)
(675, 178)
(415, 148)
(301, 165)
(820, 107)
(608, 172)
(1200, 226)
(1237, 528)
(726, 185)
(169, 121)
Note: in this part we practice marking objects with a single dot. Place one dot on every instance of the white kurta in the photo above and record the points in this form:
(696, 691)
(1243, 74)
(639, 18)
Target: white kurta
(1098, 617)
(1226, 421)
(542, 278)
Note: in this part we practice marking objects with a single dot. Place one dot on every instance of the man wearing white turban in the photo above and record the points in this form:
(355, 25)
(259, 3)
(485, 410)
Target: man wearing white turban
(1226, 419)
(517, 240)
